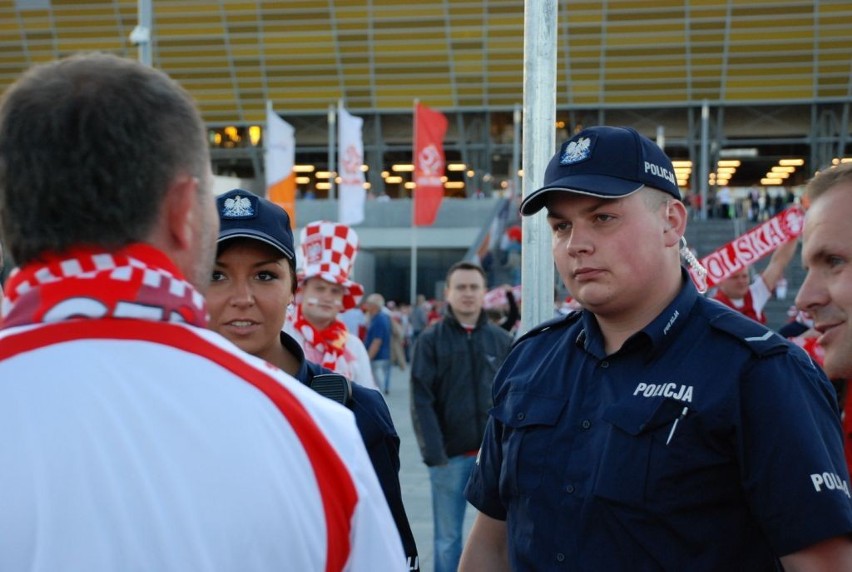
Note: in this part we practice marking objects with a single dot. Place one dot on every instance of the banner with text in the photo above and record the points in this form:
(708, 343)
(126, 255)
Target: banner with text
(753, 245)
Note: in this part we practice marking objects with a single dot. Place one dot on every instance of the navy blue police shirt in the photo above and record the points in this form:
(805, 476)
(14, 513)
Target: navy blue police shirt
(380, 438)
(707, 442)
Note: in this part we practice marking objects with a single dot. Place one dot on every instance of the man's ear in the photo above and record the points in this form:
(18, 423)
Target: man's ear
(675, 222)
(179, 205)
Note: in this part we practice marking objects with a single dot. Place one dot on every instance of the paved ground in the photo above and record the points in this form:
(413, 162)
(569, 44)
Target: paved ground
(413, 475)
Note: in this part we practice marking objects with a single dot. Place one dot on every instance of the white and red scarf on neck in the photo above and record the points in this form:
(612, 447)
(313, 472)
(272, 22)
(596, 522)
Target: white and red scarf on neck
(329, 342)
(138, 282)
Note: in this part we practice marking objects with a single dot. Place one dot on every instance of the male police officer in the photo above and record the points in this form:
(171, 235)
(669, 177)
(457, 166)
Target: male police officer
(653, 429)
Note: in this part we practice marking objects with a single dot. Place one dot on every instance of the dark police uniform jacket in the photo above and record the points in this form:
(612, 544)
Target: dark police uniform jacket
(707, 442)
(379, 435)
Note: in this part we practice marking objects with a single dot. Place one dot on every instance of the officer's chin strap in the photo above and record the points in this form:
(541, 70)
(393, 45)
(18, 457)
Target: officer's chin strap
(698, 272)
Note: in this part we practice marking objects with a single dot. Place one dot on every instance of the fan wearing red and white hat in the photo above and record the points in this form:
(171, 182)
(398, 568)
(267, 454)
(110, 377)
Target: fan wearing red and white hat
(328, 251)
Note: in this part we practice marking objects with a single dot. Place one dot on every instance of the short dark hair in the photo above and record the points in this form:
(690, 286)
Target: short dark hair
(828, 178)
(465, 265)
(89, 145)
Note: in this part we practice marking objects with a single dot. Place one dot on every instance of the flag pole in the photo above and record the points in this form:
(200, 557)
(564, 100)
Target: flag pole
(331, 143)
(413, 290)
(269, 111)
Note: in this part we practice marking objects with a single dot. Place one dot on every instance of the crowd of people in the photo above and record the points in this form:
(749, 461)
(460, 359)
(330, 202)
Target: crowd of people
(181, 387)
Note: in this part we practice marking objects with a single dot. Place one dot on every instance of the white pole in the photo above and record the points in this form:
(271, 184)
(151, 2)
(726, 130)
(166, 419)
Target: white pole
(704, 161)
(413, 288)
(516, 152)
(332, 133)
(539, 120)
(141, 34)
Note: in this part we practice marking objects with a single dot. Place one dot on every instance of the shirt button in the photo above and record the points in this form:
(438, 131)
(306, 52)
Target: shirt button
(520, 416)
(560, 557)
(569, 489)
(586, 424)
(604, 364)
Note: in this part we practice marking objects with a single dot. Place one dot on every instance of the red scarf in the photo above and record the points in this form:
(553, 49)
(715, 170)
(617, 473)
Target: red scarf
(137, 281)
(330, 341)
(746, 310)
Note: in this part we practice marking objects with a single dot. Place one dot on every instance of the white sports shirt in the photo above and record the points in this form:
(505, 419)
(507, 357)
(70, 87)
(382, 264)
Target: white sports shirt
(136, 445)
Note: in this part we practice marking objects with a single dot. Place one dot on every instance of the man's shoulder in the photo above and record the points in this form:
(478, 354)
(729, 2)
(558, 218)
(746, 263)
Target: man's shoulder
(554, 326)
(733, 325)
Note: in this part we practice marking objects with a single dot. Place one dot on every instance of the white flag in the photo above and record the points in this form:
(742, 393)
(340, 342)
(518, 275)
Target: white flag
(279, 158)
(350, 157)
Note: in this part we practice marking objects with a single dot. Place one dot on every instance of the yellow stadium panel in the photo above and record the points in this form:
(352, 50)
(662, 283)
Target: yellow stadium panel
(251, 85)
(471, 89)
(467, 33)
(769, 9)
(842, 68)
(633, 7)
(644, 52)
(582, 8)
(409, 12)
(767, 83)
(753, 36)
(657, 96)
(701, 13)
(643, 28)
(641, 75)
(469, 68)
(358, 82)
(469, 56)
(662, 41)
(575, 18)
(428, 67)
(707, 61)
(585, 77)
(827, 45)
(382, 26)
(90, 45)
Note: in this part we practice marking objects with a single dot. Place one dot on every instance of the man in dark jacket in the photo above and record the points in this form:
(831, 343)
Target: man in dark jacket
(452, 369)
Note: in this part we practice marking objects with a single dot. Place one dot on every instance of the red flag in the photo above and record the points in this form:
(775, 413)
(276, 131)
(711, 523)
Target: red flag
(429, 129)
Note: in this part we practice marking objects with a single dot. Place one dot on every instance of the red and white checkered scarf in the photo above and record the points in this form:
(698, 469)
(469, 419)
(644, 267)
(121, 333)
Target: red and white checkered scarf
(330, 342)
(138, 282)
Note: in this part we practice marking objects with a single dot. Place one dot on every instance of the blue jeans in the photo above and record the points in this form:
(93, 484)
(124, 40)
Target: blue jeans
(382, 368)
(448, 506)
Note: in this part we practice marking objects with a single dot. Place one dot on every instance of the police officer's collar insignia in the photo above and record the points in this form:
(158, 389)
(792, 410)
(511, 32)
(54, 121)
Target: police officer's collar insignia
(238, 207)
(576, 151)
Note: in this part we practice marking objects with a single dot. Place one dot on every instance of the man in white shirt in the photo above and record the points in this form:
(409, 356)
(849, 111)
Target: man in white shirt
(131, 436)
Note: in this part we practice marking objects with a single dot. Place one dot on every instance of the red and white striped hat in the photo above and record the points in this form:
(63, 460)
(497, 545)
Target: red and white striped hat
(328, 251)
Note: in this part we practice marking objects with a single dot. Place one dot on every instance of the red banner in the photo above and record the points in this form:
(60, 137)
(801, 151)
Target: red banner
(429, 129)
(753, 245)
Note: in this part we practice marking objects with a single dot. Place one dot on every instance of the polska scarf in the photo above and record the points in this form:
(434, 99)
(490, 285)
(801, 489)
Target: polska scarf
(329, 342)
(137, 282)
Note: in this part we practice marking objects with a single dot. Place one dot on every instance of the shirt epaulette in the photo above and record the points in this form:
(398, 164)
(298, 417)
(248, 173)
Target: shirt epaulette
(760, 340)
(558, 322)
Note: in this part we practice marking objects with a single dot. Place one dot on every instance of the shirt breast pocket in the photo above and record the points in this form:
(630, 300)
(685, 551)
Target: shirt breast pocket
(528, 431)
(641, 450)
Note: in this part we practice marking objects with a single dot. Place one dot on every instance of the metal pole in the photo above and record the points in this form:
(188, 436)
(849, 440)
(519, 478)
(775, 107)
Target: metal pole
(540, 26)
(516, 153)
(332, 133)
(413, 287)
(704, 168)
(141, 34)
